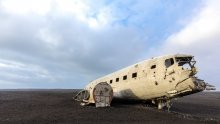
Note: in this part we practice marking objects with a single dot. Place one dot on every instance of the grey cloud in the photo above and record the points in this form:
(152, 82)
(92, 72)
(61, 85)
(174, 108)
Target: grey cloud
(69, 50)
(200, 38)
(80, 54)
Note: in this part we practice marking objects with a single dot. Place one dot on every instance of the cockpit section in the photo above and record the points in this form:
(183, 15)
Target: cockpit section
(169, 62)
(187, 63)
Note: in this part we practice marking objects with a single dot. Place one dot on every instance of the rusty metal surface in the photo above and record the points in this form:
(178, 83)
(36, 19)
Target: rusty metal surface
(102, 94)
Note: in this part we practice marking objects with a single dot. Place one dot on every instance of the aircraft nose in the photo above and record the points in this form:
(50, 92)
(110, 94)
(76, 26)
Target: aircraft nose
(202, 85)
(210, 87)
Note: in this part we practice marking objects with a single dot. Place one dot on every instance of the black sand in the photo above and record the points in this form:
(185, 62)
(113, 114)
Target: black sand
(57, 107)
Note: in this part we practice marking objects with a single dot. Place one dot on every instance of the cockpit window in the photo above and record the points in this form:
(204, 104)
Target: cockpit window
(185, 62)
(169, 62)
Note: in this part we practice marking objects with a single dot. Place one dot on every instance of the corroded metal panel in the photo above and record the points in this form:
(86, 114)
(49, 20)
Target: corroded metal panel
(102, 94)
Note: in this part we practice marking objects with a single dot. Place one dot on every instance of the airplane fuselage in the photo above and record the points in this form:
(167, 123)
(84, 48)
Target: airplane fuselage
(160, 78)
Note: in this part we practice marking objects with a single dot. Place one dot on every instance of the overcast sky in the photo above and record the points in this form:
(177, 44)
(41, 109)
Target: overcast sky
(67, 43)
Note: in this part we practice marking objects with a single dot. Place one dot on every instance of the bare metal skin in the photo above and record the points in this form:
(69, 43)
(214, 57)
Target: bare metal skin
(158, 79)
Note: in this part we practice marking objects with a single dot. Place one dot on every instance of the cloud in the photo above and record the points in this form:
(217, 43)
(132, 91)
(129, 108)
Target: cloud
(26, 6)
(64, 47)
(200, 37)
(65, 44)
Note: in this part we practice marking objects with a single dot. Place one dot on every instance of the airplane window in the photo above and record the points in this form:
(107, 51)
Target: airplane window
(117, 79)
(134, 75)
(169, 62)
(153, 66)
(125, 77)
(185, 62)
(110, 81)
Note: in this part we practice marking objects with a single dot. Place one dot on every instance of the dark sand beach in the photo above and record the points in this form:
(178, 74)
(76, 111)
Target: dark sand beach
(58, 107)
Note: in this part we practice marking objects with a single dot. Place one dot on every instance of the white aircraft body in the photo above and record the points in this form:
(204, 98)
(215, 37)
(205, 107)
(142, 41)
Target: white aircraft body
(158, 80)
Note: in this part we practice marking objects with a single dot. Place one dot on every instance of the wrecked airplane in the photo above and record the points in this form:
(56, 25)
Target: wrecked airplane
(158, 80)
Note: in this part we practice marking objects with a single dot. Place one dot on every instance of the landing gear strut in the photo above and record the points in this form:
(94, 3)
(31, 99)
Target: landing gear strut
(162, 103)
